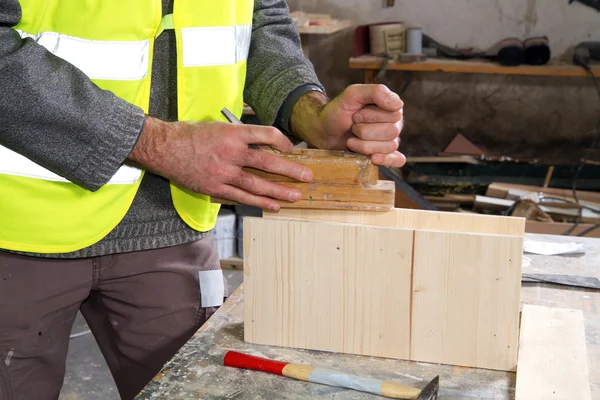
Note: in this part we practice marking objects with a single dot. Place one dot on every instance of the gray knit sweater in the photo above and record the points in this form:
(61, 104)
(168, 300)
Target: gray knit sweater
(53, 114)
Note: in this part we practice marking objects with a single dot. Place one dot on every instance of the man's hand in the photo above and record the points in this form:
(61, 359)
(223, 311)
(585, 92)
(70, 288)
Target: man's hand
(208, 157)
(366, 119)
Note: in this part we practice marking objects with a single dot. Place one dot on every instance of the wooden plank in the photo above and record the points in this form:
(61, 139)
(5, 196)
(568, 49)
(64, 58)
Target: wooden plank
(443, 159)
(552, 355)
(466, 292)
(324, 286)
(472, 67)
(329, 196)
(413, 219)
(585, 230)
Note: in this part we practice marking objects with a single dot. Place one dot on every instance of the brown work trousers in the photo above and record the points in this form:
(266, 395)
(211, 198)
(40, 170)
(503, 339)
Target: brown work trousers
(141, 307)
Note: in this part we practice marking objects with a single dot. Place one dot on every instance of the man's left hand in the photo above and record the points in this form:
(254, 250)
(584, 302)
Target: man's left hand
(366, 119)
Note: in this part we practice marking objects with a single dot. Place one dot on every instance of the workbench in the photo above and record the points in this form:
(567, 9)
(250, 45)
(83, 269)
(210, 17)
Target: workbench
(197, 371)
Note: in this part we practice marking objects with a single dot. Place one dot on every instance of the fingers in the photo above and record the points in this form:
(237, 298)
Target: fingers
(395, 159)
(243, 197)
(384, 131)
(374, 115)
(277, 165)
(258, 186)
(373, 147)
(358, 96)
(265, 135)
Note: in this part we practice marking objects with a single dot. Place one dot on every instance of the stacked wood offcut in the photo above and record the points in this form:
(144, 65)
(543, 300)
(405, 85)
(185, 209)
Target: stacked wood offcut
(547, 210)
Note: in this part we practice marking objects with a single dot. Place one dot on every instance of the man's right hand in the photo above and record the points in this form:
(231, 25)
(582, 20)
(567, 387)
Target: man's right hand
(208, 157)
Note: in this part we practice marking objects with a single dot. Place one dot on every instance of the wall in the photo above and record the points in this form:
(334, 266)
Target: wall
(524, 114)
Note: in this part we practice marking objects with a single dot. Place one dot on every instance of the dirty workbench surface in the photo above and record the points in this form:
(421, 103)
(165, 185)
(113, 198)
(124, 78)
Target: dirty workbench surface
(197, 371)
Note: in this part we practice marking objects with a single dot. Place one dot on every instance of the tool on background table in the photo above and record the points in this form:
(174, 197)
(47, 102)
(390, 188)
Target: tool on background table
(328, 377)
(342, 180)
(585, 282)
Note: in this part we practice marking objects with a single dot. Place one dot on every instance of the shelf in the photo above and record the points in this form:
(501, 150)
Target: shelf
(472, 67)
(336, 26)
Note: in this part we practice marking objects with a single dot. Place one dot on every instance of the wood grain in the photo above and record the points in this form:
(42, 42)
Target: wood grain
(413, 219)
(328, 167)
(325, 286)
(379, 197)
(466, 299)
(552, 355)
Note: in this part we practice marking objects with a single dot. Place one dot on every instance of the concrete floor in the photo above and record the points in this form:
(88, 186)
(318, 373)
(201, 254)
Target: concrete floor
(87, 376)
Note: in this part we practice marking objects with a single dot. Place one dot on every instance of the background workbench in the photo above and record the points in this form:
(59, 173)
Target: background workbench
(197, 371)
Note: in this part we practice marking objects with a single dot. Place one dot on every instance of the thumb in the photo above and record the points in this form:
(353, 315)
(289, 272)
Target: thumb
(357, 97)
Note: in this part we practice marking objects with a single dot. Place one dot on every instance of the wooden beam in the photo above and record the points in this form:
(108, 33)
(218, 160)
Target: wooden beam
(413, 219)
(552, 355)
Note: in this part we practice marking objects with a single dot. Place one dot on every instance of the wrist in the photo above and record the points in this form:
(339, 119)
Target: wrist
(306, 119)
(147, 151)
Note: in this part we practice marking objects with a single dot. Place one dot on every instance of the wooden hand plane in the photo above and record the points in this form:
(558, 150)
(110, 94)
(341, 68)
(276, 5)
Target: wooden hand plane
(341, 180)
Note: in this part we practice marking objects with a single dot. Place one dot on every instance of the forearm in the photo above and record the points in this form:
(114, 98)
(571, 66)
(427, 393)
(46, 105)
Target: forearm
(276, 63)
(53, 114)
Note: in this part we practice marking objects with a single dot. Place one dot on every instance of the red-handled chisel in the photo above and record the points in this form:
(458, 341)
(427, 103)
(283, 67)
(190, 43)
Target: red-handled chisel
(309, 373)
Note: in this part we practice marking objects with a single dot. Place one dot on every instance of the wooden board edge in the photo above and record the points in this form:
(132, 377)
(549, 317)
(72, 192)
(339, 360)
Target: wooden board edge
(539, 327)
(517, 224)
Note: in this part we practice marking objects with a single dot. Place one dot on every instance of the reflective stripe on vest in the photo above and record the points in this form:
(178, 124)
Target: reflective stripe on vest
(112, 41)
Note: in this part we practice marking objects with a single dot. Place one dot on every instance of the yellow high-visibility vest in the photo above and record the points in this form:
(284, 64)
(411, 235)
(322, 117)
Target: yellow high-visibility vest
(112, 42)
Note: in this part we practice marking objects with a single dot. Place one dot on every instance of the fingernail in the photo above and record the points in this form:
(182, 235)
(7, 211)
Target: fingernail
(294, 196)
(306, 176)
(273, 206)
(378, 159)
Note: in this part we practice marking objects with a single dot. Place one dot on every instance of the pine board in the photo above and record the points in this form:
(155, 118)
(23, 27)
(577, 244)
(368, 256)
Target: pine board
(423, 295)
(412, 219)
(552, 355)
(318, 286)
(466, 291)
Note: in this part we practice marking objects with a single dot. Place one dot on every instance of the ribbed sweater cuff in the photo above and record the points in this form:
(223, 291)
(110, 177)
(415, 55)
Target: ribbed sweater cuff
(122, 128)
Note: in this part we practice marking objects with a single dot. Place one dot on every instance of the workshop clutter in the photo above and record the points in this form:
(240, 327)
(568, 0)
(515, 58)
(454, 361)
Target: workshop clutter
(402, 43)
(229, 232)
(224, 234)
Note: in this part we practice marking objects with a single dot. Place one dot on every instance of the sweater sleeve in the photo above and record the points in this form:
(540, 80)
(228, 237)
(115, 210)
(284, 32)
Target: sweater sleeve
(276, 63)
(54, 115)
